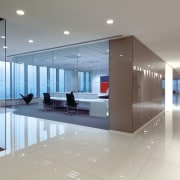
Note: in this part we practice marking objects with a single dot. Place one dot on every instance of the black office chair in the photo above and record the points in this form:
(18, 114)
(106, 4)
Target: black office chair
(27, 98)
(71, 103)
(48, 102)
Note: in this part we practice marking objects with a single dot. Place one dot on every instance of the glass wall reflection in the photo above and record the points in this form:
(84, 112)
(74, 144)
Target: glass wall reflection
(82, 69)
(24, 132)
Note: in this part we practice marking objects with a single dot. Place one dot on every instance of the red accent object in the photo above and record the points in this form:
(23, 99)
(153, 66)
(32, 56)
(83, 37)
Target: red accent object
(104, 87)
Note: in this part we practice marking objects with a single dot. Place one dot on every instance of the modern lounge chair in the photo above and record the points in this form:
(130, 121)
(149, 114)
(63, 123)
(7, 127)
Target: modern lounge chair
(27, 98)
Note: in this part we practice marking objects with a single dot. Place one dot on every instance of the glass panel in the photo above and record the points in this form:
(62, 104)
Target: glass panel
(93, 71)
(75, 69)
(2, 84)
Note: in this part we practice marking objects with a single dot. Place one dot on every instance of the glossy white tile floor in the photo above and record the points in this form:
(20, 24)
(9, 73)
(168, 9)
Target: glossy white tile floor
(40, 149)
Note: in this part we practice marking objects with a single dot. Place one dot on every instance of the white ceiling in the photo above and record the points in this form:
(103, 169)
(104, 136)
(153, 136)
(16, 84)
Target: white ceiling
(154, 22)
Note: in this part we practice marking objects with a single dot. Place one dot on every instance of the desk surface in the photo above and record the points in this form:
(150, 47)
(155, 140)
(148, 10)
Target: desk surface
(80, 100)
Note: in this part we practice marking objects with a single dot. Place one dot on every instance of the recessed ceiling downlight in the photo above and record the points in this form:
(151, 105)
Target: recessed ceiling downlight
(109, 21)
(20, 12)
(66, 32)
(30, 41)
(5, 47)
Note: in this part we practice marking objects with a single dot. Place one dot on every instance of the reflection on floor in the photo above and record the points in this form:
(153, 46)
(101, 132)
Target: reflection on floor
(82, 118)
(42, 149)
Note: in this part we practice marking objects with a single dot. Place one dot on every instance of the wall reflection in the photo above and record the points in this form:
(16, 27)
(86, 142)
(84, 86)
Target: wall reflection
(148, 95)
(23, 132)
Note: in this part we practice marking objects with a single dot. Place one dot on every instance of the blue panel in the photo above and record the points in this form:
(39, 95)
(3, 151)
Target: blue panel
(104, 78)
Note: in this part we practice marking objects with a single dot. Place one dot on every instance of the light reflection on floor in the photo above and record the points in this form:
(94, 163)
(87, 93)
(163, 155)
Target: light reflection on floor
(41, 149)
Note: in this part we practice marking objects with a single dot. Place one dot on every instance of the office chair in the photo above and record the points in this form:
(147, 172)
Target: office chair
(27, 98)
(71, 103)
(48, 103)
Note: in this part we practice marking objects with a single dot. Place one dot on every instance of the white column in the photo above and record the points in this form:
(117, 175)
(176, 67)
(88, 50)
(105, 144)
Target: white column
(168, 87)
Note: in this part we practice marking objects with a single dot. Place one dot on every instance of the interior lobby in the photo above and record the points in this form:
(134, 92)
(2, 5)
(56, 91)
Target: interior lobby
(124, 119)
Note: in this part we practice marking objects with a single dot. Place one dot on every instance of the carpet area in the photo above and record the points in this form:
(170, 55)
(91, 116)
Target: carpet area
(60, 115)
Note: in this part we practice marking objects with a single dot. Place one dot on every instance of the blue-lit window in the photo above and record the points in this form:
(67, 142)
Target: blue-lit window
(174, 85)
(178, 85)
(32, 80)
(2, 80)
(163, 84)
(18, 79)
(88, 87)
(43, 80)
(52, 80)
(84, 81)
(8, 80)
(81, 81)
(61, 80)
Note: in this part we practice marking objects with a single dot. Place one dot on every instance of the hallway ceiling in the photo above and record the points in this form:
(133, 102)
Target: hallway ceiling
(155, 23)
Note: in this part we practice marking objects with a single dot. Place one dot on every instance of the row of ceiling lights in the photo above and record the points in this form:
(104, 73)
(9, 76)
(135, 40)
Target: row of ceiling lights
(21, 13)
(66, 32)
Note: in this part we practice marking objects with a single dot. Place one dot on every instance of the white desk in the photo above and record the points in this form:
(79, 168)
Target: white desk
(96, 107)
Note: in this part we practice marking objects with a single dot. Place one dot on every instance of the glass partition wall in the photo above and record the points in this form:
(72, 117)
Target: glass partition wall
(82, 69)
(2, 84)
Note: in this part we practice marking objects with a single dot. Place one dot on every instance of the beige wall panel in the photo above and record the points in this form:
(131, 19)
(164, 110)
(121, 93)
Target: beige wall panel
(151, 92)
(134, 84)
(120, 90)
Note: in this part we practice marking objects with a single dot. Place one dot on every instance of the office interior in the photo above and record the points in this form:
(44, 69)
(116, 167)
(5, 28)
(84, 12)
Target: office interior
(116, 82)
(37, 148)
(82, 69)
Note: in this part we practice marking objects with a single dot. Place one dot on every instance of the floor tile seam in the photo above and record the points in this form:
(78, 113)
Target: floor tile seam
(92, 166)
(96, 177)
(71, 168)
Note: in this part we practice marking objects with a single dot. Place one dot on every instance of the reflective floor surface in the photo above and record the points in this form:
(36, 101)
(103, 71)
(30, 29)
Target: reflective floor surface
(41, 149)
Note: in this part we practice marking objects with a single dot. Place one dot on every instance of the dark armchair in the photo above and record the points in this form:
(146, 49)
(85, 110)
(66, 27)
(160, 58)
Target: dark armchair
(47, 99)
(71, 103)
(27, 98)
